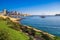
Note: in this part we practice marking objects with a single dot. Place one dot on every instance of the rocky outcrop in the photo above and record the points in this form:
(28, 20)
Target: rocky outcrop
(12, 19)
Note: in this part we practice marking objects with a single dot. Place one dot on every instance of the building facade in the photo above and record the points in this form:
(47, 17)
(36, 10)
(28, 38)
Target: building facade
(4, 12)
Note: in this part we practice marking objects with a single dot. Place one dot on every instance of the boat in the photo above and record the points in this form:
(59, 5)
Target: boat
(42, 16)
(57, 15)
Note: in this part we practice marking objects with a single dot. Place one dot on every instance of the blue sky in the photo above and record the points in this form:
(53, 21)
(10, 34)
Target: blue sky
(35, 7)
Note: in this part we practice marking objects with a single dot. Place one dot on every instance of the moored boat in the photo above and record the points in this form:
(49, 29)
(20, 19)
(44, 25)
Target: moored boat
(42, 16)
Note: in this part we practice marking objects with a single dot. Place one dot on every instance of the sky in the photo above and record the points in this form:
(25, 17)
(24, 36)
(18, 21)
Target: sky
(33, 7)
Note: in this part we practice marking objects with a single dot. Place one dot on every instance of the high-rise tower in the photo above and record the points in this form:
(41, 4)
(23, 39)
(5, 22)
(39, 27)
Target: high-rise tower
(4, 12)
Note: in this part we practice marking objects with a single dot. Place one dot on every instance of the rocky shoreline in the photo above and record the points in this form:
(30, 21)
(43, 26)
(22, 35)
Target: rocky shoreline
(16, 20)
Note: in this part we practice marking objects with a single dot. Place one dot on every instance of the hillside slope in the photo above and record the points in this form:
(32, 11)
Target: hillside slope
(7, 33)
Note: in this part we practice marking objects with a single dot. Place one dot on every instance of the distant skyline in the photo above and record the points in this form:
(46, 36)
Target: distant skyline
(34, 7)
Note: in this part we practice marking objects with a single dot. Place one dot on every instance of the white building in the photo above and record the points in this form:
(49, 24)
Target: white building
(4, 12)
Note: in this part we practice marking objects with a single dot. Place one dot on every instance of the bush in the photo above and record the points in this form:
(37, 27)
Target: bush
(4, 35)
(2, 18)
(46, 37)
(31, 32)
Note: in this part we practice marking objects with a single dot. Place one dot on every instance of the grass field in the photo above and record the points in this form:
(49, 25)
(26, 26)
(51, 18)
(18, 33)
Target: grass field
(7, 33)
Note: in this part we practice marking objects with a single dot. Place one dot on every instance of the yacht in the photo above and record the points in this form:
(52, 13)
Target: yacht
(42, 16)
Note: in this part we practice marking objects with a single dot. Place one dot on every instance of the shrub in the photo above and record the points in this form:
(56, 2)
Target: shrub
(46, 37)
(1, 18)
(31, 32)
(4, 35)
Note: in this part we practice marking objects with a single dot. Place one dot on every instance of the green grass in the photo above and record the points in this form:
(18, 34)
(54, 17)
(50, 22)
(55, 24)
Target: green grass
(11, 34)
(58, 38)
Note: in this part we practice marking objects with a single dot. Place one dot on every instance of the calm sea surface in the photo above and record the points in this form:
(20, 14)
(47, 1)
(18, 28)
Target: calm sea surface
(50, 24)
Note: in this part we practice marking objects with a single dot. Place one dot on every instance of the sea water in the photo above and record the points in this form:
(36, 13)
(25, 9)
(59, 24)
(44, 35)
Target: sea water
(50, 24)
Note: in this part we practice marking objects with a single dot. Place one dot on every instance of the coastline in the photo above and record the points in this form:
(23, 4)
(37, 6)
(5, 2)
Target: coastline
(16, 20)
(50, 35)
